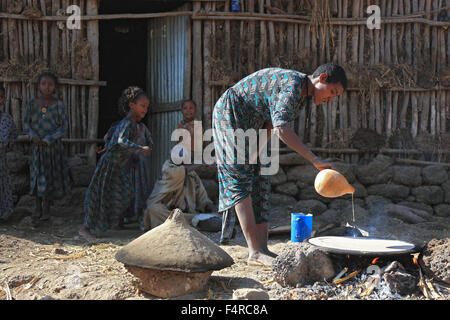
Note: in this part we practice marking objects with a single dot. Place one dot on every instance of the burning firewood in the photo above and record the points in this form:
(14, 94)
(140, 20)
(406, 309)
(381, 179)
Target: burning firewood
(340, 274)
(351, 275)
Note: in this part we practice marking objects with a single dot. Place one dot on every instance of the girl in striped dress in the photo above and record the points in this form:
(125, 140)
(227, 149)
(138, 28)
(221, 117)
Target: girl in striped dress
(46, 122)
(111, 187)
(8, 134)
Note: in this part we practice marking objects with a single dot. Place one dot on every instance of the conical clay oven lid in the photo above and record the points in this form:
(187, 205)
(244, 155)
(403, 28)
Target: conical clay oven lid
(174, 246)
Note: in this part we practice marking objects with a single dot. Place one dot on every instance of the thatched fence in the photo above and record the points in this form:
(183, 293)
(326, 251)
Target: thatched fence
(399, 75)
(35, 37)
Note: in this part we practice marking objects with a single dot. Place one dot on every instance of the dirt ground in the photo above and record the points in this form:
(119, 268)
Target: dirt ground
(54, 263)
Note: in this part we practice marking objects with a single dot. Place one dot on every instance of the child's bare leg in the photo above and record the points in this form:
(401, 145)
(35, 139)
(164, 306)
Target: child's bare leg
(257, 254)
(85, 233)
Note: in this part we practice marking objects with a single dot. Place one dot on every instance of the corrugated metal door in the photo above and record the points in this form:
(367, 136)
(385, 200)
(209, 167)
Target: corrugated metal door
(168, 82)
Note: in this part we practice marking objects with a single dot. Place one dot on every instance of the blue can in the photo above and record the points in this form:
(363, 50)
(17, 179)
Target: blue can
(301, 226)
(235, 5)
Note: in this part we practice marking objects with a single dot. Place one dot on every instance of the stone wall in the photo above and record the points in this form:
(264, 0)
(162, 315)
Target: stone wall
(379, 181)
(80, 173)
(422, 187)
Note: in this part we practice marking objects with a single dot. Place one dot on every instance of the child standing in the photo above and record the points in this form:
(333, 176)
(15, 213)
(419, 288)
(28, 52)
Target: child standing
(45, 122)
(8, 134)
(110, 190)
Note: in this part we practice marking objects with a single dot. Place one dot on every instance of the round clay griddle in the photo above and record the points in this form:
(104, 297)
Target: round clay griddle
(362, 246)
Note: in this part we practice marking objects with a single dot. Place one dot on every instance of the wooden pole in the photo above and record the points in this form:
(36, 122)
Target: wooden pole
(394, 36)
(44, 32)
(207, 101)
(414, 115)
(92, 36)
(263, 50)
(197, 65)
(251, 40)
(272, 43)
(54, 34)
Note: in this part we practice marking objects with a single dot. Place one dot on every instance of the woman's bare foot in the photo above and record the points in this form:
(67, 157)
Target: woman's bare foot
(260, 259)
(85, 233)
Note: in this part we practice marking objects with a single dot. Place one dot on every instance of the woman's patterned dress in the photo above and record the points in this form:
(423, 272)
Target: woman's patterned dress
(271, 95)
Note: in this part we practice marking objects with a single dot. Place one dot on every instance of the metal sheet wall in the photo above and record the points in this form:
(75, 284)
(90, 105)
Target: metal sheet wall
(167, 65)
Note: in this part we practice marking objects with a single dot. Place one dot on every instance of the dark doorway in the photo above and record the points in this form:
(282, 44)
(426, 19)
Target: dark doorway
(123, 62)
(123, 53)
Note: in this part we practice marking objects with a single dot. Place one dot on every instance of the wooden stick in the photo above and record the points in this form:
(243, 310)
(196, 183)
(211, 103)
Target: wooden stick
(362, 40)
(251, 42)
(26, 139)
(412, 18)
(54, 37)
(433, 114)
(197, 66)
(325, 124)
(425, 113)
(414, 115)
(207, 100)
(13, 40)
(44, 41)
(344, 34)
(351, 275)
(290, 33)
(394, 111)
(388, 113)
(93, 83)
(313, 125)
(92, 35)
(378, 112)
(30, 38)
(263, 42)
(37, 35)
(83, 113)
(272, 43)
(188, 81)
(382, 32)
(394, 34)
(443, 112)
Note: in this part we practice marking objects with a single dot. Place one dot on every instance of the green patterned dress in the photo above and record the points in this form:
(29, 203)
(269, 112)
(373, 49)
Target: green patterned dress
(49, 173)
(111, 188)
